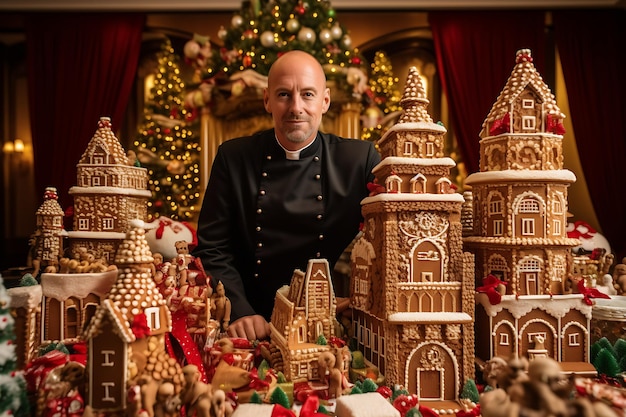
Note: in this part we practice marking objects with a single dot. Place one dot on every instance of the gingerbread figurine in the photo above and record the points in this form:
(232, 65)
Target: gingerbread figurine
(220, 306)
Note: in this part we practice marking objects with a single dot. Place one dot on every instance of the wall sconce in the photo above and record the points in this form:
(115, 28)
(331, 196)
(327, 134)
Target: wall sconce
(16, 146)
(18, 155)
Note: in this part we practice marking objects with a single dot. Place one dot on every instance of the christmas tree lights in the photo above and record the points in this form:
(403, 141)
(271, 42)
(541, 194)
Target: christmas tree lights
(260, 32)
(168, 144)
(383, 98)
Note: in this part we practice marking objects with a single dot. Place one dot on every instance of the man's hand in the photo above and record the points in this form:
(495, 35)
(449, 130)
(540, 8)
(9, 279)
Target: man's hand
(251, 327)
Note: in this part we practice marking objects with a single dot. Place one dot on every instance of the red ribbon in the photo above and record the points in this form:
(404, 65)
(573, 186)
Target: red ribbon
(589, 293)
(310, 407)
(280, 411)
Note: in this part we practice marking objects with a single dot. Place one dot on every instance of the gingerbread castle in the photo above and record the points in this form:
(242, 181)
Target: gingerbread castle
(127, 334)
(412, 286)
(110, 192)
(519, 230)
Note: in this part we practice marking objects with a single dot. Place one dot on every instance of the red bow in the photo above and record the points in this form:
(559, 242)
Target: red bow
(554, 125)
(140, 326)
(501, 125)
(589, 293)
(490, 285)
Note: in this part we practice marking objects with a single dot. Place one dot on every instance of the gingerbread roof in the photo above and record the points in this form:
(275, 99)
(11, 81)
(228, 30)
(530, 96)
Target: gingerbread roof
(105, 140)
(523, 75)
(134, 249)
(134, 290)
(50, 205)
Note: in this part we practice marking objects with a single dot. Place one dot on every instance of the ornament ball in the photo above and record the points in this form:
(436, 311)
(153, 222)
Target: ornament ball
(293, 25)
(346, 41)
(336, 31)
(237, 21)
(306, 35)
(325, 36)
(221, 33)
(267, 39)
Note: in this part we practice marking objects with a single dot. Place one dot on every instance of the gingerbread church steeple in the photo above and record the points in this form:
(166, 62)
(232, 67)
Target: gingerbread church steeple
(411, 285)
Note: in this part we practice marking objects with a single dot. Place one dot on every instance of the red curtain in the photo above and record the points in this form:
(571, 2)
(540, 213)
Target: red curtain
(591, 48)
(80, 67)
(475, 55)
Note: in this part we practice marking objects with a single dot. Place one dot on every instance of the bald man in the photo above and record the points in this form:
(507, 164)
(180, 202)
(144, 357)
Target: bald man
(282, 196)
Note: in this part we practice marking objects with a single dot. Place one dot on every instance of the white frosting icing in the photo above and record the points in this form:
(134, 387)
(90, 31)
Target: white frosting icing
(416, 126)
(25, 297)
(401, 160)
(557, 306)
(510, 175)
(436, 317)
(452, 198)
(63, 286)
(110, 190)
(85, 234)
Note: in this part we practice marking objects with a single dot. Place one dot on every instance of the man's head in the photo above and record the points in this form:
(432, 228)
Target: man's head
(297, 97)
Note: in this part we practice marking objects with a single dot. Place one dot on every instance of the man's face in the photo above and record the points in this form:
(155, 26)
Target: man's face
(297, 97)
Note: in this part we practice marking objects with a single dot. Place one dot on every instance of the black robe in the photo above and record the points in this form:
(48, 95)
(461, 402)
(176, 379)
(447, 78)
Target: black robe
(263, 215)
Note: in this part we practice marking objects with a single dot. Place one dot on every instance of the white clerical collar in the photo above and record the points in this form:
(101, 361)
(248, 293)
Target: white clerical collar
(293, 155)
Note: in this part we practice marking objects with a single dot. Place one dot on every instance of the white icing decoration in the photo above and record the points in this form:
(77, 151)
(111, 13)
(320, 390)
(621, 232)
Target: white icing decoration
(448, 198)
(110, 190)
(510, 175)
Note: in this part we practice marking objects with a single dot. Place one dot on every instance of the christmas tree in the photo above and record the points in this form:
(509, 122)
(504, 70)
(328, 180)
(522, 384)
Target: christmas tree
(13, 399)
(262, 30)
(168, 144)
(382, 98)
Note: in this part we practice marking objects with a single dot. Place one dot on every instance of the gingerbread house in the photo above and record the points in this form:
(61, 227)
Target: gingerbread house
(519, 233)
(412, 285)
(110, 192)
(126, 337)
(303, 312)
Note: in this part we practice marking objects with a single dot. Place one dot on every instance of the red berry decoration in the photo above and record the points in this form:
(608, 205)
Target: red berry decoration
(385, 391)
(355, 60)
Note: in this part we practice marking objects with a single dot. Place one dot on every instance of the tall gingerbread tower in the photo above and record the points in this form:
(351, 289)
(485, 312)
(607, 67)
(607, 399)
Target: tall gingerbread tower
(48, 237)
(412, 285)
(519, 230)
(110, 192)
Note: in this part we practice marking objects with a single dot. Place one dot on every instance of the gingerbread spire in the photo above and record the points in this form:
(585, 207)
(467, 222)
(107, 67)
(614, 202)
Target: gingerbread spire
(414, 101)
